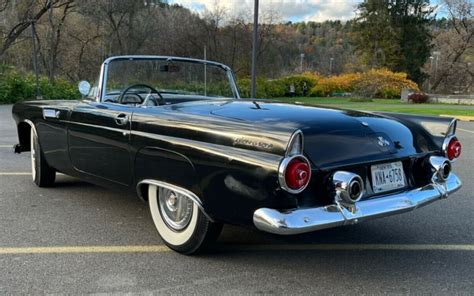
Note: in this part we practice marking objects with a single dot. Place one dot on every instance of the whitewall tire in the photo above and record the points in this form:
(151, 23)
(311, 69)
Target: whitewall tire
(42, 174)
(180, 223)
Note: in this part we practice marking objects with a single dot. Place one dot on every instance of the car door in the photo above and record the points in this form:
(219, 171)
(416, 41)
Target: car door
(98, 139)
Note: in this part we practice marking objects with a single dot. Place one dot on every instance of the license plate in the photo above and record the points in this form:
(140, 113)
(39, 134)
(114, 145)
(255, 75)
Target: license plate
(388, 176)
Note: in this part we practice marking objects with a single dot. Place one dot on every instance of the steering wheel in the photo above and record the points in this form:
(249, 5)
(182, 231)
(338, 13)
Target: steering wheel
(143, 102)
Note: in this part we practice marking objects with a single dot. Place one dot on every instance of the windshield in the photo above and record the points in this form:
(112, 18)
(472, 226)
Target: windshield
(172, 79)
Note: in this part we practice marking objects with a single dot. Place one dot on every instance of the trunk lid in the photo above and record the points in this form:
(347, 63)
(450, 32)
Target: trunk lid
(332, 137)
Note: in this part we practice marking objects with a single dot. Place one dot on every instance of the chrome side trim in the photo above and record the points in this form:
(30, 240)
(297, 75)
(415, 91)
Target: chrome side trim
(174, 188)
(296, 221)
(282, 170)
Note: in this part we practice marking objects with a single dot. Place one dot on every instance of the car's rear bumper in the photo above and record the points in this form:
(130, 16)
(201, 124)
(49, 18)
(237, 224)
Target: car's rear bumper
(303, 220)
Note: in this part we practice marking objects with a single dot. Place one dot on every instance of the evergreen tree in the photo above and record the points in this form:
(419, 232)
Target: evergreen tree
(394, 34)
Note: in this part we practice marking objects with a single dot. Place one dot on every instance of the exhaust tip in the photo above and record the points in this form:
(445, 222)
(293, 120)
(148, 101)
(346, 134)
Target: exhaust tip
(348, 186)
(442, 167)
(355, 190)
(445, 170)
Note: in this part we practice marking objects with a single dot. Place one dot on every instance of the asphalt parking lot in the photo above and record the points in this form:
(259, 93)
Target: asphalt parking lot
(78, 238)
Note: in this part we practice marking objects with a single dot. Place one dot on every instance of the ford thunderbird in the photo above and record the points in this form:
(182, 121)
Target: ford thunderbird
(175, 131)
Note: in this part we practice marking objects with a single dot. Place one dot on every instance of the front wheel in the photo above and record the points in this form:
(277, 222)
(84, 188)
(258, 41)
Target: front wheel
(179, 221)
(43, 175)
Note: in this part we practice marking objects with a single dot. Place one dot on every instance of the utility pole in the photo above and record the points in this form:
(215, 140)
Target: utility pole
(302, 62)
(331, 60)
(431, 73)
(436, 54)
(35, 62)
(253, 92)
(205, 71)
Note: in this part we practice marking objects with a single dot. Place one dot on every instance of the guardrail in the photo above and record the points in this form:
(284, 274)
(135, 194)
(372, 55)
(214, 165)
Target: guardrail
(452, 99)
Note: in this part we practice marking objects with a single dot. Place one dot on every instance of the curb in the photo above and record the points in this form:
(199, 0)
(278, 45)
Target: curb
(460, 117)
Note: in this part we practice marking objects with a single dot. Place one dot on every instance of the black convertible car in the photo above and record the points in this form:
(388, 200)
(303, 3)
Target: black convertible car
(176, 131)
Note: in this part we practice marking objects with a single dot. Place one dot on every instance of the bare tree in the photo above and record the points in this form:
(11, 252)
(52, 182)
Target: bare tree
(32, 11)
(455, 42)
(55, 30)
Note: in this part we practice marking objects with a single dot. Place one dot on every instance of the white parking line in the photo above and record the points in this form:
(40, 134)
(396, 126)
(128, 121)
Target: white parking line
(6, 146)
(85, 249)
(246, 248)
(22, 174)
(15, 174)
(467, 131)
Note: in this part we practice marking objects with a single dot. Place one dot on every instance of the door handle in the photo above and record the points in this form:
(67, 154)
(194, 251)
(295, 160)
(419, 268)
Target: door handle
(51, 113)
(121, 119)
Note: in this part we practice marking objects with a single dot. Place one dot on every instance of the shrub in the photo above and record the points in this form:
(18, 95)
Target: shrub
(375, 83)
(19, 86)
(418, 98)
(340, 83)
(14, 86)
(311, 79)
(382, 83)
(245, 86)
(276, 88)
(279, 87)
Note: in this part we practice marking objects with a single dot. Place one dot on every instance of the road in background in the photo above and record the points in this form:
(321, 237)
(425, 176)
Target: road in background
(429, 251)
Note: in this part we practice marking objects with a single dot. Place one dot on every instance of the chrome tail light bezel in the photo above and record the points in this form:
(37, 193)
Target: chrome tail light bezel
(445, 147)
(294, 150)
(282, 173)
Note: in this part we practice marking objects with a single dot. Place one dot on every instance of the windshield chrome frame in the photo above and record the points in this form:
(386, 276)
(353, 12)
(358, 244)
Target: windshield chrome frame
(104, 70)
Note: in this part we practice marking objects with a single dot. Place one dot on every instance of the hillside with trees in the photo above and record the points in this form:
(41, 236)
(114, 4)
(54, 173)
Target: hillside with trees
(73, 37)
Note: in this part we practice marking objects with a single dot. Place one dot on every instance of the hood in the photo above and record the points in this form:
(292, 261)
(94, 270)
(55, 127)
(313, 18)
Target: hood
(332, 137)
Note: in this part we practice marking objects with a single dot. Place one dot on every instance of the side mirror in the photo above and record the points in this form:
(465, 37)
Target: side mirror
(84, 87)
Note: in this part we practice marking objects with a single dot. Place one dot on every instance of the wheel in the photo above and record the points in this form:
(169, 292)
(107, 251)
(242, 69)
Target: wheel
(180, 223)
(43, 175)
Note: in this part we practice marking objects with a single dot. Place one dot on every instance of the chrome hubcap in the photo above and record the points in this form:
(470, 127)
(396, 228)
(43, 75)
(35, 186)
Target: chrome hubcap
(176, 209)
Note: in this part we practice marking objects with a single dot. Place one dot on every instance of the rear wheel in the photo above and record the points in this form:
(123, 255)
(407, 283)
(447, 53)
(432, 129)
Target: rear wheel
(179, 221)
(43, 175)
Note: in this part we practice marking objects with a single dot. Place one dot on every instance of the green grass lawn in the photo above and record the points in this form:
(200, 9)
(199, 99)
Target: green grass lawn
(385, 105)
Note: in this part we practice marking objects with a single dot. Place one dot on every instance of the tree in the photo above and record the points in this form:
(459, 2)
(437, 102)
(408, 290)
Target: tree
(55, 23)
(374, 37)
(29, 11)
(394, 34)
(455, 45)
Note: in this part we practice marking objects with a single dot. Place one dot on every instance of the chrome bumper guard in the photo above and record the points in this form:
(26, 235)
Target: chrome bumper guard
(296, 221)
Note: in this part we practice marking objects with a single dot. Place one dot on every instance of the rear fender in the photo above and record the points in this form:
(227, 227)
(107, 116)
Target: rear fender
(154, 163)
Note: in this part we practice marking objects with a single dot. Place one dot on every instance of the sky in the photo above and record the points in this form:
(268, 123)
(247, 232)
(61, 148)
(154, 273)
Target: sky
(289, 10)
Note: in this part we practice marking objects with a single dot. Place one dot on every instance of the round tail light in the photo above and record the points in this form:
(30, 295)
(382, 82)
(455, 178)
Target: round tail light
(296, 174)
(454, 148)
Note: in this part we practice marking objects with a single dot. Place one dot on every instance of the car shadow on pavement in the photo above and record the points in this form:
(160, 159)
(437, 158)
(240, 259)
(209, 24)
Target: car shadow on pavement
(70, 182)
